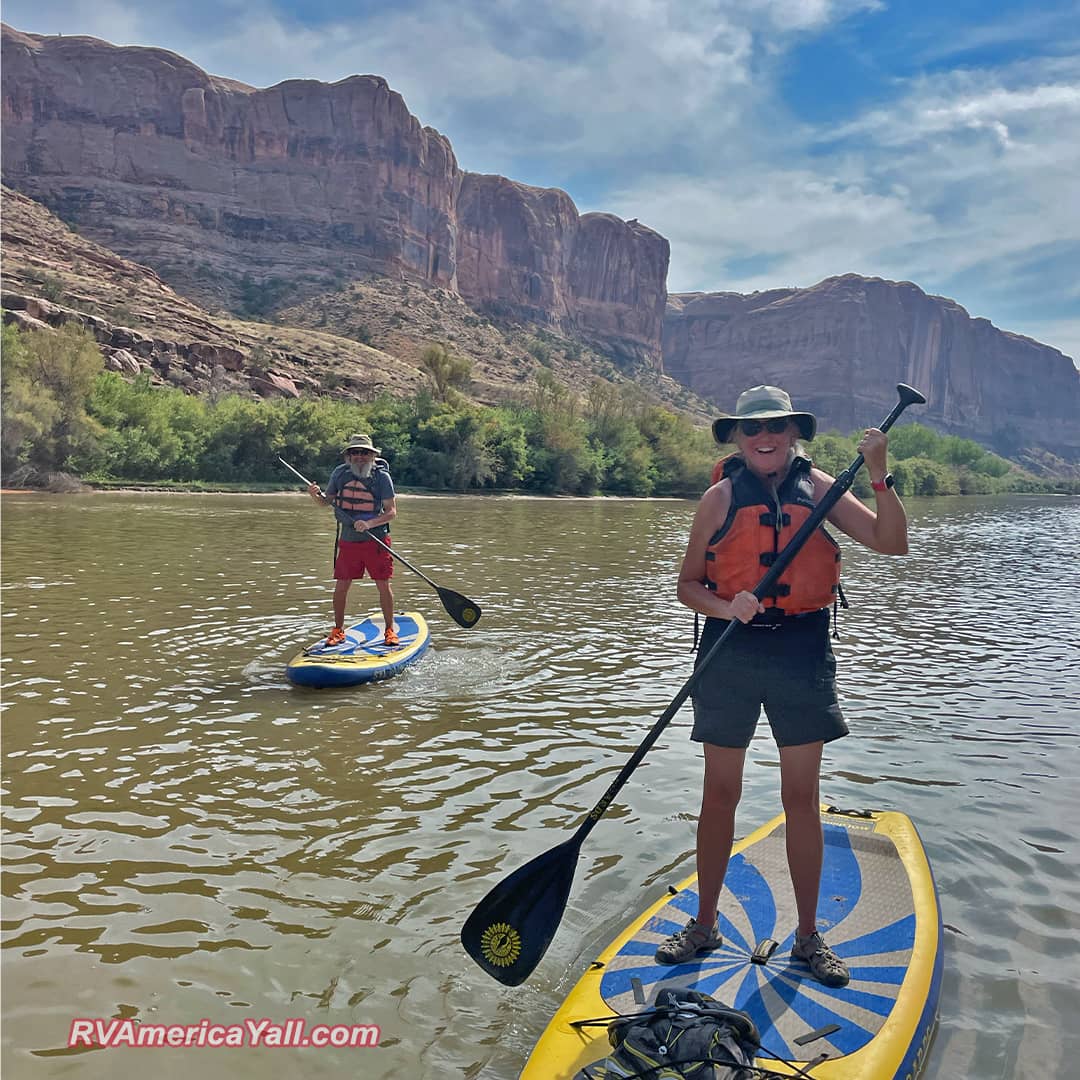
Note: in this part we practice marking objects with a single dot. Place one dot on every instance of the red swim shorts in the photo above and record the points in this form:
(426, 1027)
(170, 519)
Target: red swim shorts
(356, 556)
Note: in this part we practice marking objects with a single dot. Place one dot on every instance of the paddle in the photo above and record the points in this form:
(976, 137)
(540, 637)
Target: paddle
(509, 931)
(460, 608)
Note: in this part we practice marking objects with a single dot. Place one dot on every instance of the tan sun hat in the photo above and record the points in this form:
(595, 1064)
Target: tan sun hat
(360, 442)
(763, 403)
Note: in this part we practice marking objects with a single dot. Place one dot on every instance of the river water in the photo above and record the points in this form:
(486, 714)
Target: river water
(188, 837)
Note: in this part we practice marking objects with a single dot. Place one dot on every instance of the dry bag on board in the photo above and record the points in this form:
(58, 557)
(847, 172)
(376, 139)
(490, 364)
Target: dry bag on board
(686, 1034)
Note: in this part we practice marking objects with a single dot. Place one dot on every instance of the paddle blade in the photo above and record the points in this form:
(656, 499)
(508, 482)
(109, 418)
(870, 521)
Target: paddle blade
(460, 608)
(510, 929)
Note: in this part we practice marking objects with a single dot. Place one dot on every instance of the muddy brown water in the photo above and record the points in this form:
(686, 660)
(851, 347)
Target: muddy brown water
(187, 837)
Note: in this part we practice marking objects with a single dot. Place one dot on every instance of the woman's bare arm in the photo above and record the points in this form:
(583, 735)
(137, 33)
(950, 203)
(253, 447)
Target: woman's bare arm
(711, 514)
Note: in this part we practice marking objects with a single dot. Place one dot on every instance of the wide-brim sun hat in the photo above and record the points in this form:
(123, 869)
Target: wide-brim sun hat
(763, 403)
(360, 442)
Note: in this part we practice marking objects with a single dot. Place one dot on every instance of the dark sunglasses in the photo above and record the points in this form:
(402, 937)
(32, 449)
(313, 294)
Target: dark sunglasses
(774, 427)
(361, 453)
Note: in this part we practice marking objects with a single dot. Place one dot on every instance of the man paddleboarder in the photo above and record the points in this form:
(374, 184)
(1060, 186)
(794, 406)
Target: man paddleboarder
(362, 489)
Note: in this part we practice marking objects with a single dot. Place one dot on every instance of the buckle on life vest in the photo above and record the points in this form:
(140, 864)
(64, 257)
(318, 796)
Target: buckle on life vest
(769, 518)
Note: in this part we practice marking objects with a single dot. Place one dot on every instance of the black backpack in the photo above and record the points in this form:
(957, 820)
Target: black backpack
(685, 1034)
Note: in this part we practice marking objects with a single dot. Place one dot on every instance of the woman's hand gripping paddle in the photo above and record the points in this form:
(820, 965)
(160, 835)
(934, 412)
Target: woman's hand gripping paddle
(460, 608)
(509, 931)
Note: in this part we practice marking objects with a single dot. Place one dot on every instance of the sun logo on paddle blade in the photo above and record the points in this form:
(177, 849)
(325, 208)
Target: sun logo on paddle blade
(469, 615)
(501, 944)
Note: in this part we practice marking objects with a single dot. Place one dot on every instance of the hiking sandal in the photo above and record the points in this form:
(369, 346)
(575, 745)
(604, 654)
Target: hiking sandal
(686, 943)
(825, 965)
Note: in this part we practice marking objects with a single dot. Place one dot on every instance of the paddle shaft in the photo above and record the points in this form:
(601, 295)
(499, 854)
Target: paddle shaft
(295, 472)
(908, 396)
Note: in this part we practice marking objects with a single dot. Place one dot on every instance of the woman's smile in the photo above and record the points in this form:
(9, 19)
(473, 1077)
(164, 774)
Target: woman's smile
(766, 452)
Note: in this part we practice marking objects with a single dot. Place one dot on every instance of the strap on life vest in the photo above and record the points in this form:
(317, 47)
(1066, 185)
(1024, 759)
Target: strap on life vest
(839, 602)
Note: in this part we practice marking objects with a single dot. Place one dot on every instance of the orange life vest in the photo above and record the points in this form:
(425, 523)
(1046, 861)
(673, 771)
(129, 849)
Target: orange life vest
(357, 497)
(758, 526)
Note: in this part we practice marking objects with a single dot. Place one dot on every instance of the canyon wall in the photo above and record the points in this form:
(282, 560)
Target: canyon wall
(840, 347)
(218, 186)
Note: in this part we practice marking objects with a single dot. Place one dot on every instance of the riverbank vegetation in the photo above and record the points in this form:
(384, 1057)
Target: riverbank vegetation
(63, 413)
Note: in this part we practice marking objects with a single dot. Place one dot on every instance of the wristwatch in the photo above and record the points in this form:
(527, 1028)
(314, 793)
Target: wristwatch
(881, 485)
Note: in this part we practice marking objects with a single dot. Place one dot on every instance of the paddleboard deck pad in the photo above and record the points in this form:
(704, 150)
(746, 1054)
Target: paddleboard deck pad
(879, 911)
(362, 656)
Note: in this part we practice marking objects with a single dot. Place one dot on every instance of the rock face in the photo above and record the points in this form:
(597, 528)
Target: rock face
(840, 347)
(528, 250)
(220, 186)
(52, 277)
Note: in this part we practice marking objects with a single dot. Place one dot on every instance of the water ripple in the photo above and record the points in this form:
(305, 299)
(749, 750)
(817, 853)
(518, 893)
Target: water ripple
(186, 835)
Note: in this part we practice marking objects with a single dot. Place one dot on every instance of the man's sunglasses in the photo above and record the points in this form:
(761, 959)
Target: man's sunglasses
(361, 453)
(774, 427)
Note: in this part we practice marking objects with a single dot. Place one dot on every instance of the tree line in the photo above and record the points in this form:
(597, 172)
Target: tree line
(63, 413)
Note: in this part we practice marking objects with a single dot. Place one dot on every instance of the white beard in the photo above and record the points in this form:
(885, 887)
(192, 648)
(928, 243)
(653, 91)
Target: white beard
(361, 472)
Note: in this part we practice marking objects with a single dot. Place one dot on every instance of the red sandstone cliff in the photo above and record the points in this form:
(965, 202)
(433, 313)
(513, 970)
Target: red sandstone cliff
(208, 180)
(840, 347)
(528, 248)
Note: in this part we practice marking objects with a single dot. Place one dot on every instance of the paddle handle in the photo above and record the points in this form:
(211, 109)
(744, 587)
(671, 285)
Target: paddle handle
(338, 512)
(908, 395)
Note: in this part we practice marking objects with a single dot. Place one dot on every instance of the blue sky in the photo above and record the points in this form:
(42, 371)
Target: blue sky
(773, 142)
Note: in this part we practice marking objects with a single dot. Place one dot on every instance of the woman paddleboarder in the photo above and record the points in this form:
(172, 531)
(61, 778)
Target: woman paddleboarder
(782, 658)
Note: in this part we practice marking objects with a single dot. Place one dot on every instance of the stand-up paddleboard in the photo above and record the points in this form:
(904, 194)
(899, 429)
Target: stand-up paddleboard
(878, 910)
(362, 656)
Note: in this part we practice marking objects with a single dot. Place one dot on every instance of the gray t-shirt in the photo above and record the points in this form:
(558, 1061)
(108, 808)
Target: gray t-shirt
(382, 488)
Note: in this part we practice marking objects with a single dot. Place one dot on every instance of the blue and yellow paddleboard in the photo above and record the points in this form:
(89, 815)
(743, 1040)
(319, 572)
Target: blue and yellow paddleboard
(362, 657)
(879, 911)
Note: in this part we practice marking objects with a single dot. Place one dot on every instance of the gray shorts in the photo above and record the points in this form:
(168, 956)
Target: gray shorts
(790, 670)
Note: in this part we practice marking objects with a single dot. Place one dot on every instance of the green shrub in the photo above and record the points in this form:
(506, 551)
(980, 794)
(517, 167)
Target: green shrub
(52, 288)
(921, 476)
(539, 350)
(45, 383)
(61, 411)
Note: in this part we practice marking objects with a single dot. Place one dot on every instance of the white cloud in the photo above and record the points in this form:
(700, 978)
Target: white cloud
(1024, 30)
(812, 14)
(932, 109)
(111, 20)
(966, 183)
(580, 82)
(797, 225)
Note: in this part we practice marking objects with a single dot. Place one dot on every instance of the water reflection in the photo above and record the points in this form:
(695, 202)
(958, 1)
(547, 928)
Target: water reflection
(189, 836)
